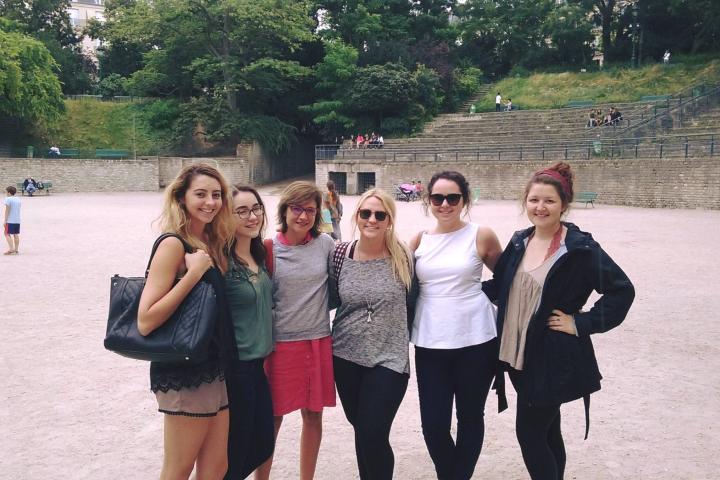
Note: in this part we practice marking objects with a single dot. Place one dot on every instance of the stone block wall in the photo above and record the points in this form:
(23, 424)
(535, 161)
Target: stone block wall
(641, 182)
(83, 175)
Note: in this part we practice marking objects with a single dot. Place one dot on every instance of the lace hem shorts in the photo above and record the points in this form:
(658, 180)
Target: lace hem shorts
(205, 400)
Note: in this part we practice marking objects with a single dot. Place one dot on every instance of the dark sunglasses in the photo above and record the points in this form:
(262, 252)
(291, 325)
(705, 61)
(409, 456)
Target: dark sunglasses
(366, 213)
(297, 210)
(437, 199)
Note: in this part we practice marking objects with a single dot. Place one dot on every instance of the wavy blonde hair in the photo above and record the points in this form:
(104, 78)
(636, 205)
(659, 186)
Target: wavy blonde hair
(174, 217)
(400, 255)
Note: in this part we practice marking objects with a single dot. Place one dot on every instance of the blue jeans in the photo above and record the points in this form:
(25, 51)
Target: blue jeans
(465, 375)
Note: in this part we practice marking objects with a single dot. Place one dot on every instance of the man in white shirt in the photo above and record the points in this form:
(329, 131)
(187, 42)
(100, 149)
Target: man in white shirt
(498, 102)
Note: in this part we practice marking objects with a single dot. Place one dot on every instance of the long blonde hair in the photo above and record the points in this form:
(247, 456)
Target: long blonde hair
(400, 255)
(174, 217)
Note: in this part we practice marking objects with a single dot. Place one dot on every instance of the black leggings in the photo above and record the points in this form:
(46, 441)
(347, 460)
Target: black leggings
(252, 432)
(464, 374)
(370, 398)
(539, 435)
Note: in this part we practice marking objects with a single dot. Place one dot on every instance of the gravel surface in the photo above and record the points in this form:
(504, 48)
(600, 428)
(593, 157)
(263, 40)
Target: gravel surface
(71, 410)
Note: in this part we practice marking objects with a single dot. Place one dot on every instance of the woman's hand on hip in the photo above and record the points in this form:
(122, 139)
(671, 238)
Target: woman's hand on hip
(562, 322)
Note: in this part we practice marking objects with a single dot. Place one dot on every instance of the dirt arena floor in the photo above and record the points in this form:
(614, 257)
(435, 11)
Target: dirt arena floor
(71, 410)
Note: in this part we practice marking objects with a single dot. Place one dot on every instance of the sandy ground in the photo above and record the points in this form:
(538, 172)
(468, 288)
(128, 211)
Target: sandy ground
(71, 410)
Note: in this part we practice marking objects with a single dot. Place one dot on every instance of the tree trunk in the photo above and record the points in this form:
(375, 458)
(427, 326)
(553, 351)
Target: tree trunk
(606, 8)
(230, 93)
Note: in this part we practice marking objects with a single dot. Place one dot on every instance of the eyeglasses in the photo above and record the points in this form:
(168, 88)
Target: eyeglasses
(437, 199)
(297, 210)
(244, 212)
(366, 213)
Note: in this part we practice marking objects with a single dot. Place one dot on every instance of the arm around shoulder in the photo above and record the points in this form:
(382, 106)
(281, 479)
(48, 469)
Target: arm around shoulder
(488, 247)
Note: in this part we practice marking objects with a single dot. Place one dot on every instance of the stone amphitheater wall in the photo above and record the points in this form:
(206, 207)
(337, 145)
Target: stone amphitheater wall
(641, 182)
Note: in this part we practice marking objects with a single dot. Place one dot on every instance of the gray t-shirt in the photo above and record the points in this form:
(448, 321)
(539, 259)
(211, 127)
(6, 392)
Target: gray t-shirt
(300, 289)
(383, 339)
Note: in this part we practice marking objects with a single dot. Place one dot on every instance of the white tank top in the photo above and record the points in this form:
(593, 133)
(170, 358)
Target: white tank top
(452, 311)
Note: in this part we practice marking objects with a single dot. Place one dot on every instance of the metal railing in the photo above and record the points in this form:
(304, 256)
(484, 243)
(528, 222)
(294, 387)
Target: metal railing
(652, 147)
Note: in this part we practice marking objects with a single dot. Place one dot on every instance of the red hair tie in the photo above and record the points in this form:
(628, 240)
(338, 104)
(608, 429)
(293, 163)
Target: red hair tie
(556, 175)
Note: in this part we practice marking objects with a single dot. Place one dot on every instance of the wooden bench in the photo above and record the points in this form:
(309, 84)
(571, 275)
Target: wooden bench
(46, 186)
(579, 103)
(586, 197)
(107, 153)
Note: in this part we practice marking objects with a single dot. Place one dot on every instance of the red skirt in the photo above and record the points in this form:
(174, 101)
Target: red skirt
(300, 374)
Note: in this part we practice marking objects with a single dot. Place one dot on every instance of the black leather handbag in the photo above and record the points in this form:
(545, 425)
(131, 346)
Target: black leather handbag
(184, 338)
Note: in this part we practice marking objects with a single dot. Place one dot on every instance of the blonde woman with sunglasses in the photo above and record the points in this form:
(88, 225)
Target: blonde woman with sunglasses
(300, 368)
(454, 332)
(370, 330)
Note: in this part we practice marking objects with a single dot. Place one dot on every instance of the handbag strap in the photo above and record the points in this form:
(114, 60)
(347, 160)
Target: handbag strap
(188, 248)
(269, 259)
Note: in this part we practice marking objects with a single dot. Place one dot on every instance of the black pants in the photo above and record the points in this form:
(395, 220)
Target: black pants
(498, 107)
(462, 374)
(539, 435)
(252, 430)
(370, 398)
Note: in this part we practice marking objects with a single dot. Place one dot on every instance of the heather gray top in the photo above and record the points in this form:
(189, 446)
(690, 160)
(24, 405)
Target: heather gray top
(300, 289)
(382, 340)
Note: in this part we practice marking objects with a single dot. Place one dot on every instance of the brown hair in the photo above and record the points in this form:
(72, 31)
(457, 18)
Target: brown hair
(257, 247)
(174, 217)
(11, 190)
(295, 194)
(564, 170)
(452, 176)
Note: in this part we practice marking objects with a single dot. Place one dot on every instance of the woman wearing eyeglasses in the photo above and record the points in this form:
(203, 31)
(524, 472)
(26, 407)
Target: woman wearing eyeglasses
(454, 330)
(249, 293)
(370, 331)
(300, 368)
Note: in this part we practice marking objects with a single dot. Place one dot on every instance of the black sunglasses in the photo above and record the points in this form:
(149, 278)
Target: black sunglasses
(437, 199)
(366, 213)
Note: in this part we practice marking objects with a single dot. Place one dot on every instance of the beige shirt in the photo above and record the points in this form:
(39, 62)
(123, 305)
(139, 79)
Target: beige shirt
(523, 302)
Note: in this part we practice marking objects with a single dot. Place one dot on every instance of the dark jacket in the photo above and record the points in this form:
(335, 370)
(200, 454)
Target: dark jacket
(559, 367)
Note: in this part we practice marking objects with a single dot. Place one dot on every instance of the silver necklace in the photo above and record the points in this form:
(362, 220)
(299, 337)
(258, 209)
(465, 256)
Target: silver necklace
(369, 310)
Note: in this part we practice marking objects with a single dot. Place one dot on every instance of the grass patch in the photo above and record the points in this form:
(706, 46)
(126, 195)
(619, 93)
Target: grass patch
(616, 84)
(91, 124)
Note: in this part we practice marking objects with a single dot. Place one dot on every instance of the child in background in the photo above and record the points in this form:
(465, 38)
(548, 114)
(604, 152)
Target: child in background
(11, 223)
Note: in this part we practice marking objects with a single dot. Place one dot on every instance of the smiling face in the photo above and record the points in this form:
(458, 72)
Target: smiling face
(446, 213)
(301, 221)
(249, 215)
(371, 227)
(203, 199)
(544, 206)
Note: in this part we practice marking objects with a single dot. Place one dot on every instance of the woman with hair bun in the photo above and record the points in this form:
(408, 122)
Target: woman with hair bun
(541, 283)
(454, 329)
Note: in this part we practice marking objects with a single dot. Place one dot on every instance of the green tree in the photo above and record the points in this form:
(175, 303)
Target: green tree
(29, 88)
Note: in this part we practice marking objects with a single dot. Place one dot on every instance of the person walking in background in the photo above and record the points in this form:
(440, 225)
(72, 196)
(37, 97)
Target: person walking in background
(197, 213)
(666, 57)
(454, 329)
(498, 102)
(249, 293)
(11, 221)
(300, 368)
(370, 331)
(332, 200)
(541, 283)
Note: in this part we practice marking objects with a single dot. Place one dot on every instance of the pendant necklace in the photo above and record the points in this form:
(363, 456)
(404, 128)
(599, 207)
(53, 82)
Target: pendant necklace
(369, 309)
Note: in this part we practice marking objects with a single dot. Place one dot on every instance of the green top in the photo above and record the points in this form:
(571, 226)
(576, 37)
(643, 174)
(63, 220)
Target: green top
(249, 297)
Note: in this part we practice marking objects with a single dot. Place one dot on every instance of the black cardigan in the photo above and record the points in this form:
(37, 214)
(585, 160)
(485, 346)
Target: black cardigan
(562, 367)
